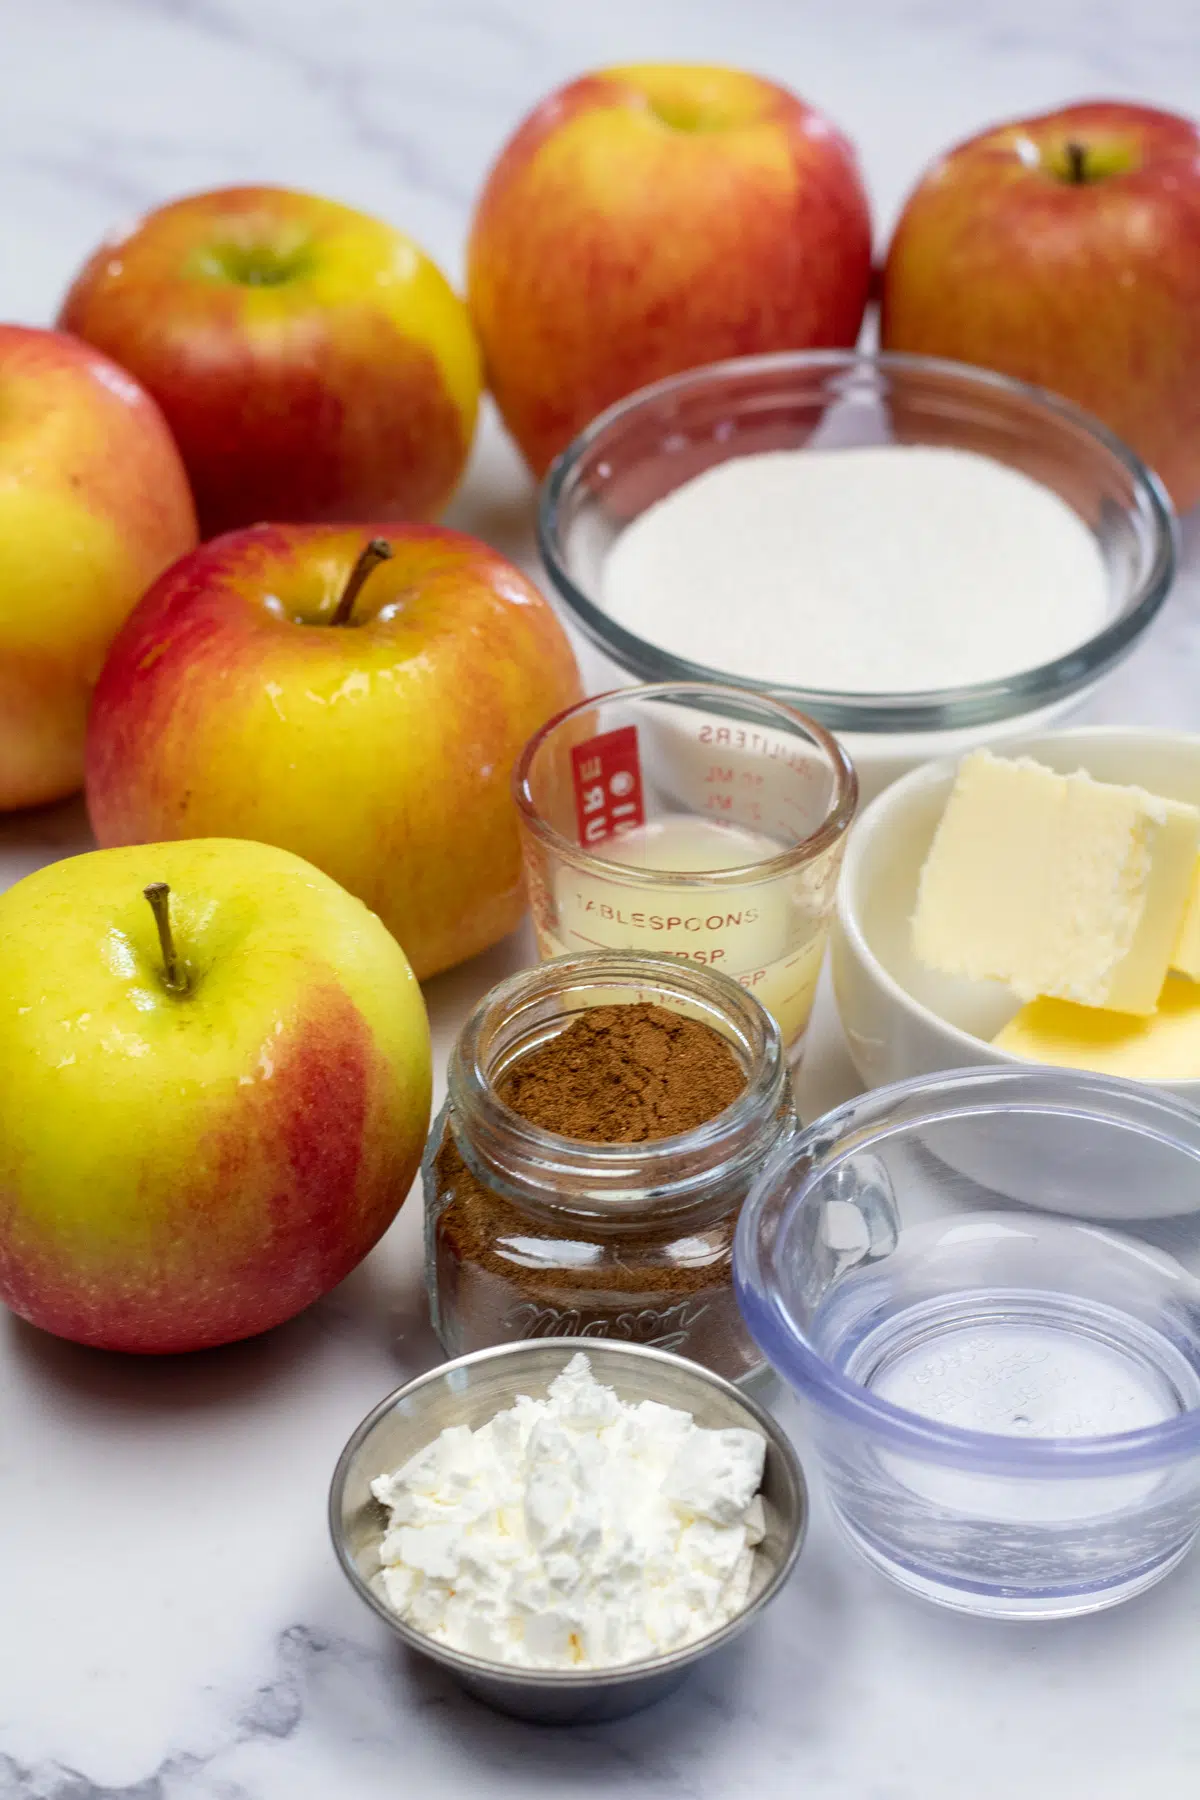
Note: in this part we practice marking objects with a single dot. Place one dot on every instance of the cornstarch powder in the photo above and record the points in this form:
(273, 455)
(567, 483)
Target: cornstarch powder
(876, 570)
(578, 1531)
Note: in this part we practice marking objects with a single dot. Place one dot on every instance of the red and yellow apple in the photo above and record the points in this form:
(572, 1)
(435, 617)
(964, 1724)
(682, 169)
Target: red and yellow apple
(214, 1089)
(1065, 250)
(648, 219)
(94, 504)
(313, 363)
(274, 686)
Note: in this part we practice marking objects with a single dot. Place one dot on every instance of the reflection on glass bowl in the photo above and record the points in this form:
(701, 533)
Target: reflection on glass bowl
(649, 445)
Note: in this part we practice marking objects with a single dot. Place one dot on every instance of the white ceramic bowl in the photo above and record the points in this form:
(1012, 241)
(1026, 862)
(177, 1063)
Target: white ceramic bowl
(901, 1019)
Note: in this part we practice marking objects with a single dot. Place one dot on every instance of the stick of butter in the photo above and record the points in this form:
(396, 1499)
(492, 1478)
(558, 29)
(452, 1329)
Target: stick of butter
(1056, 884)
(1164, 1047)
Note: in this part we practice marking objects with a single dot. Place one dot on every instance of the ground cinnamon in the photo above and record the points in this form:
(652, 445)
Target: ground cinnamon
(616, 1074)
(623, 1074)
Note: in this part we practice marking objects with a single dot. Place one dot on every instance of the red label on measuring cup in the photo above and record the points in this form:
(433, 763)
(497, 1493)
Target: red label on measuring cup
(608, 785)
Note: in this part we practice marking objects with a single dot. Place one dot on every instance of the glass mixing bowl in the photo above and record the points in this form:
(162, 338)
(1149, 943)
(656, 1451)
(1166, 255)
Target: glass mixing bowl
(984, 1288)
(651, 443)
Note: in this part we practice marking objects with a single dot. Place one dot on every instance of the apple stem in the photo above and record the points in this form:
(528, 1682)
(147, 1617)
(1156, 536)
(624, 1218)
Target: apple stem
(1076, 162)
(174, 977)
(369, 557)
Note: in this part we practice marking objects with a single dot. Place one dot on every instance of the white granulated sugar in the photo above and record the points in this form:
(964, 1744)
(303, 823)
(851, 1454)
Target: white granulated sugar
(872, 571)
(575, 1531)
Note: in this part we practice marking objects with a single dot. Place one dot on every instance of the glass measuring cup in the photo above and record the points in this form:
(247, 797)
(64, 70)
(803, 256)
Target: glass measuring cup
(689, 820)
(985, 1288)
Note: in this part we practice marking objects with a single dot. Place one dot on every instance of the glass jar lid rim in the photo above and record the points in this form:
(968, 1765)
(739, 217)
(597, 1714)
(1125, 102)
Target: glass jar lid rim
(737, 1131)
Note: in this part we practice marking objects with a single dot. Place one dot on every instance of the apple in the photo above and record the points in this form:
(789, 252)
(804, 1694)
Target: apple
(278, 685)
(648, 219)
(94, 503)
(214, 1090)
(312, 362)
(1065, 250)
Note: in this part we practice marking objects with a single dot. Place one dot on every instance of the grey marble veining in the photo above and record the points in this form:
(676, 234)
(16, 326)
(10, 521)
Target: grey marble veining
(172, 1624)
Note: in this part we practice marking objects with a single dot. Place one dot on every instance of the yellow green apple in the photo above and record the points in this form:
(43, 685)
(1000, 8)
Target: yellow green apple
(1065, 250)
(312, 361)
(356, 694)
(214, 1088)
(94, 503)
(647, 219)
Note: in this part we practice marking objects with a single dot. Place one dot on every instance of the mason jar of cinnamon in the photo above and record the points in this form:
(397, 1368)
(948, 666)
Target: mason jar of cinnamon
(605, 1117)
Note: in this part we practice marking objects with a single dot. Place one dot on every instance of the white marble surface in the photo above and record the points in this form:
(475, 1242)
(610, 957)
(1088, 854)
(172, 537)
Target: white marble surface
(173, 1625)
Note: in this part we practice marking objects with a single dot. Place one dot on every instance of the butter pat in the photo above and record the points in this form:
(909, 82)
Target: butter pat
(1186, 955)
(1057, 885)
(1164, 1047)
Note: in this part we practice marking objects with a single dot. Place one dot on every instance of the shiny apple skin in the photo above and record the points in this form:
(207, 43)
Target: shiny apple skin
(180, 1171)
(94, 503)
(312, 361)
(648, 219)
(1090, 289)
(381, 751)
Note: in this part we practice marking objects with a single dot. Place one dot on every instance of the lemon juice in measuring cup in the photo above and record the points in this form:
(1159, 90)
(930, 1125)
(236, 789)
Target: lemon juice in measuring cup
(689, 820)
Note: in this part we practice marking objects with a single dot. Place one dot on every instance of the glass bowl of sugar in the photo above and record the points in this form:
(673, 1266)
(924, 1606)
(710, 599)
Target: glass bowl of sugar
(919, 555)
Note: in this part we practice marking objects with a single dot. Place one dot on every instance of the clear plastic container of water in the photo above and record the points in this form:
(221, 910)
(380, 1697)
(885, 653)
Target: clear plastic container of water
(985, 1286)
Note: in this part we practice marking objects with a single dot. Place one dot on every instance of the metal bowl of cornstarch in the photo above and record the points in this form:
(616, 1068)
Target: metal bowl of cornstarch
(470, 1392)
